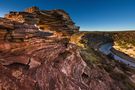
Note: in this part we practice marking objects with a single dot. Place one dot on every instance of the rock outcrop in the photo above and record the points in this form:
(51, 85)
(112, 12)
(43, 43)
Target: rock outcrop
(125, 42)
(32, 9)
(39, 53)
(56, 21)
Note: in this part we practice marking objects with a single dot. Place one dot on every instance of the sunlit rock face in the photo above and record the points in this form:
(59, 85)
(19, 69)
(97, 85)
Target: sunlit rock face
(32, 9)
(22, 17)
(51, 20)
(125, 42)
(39, 51)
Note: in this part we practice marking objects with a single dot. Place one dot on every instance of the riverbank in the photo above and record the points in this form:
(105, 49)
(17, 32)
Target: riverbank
(123, 55)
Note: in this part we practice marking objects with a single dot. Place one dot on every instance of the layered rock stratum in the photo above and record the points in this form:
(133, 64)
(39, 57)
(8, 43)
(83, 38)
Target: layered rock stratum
(44, 50)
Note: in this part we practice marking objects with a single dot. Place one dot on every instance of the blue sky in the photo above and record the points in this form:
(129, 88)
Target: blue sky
(90, 15)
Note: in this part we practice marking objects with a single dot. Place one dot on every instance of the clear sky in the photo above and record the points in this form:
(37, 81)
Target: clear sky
(90, 15)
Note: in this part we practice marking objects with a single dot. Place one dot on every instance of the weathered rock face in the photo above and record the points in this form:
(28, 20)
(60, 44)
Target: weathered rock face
(32, 9)
(6, 24)
(125, 42)
(56, 21)
(51, 66)
(46, 61)
(22, 17)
